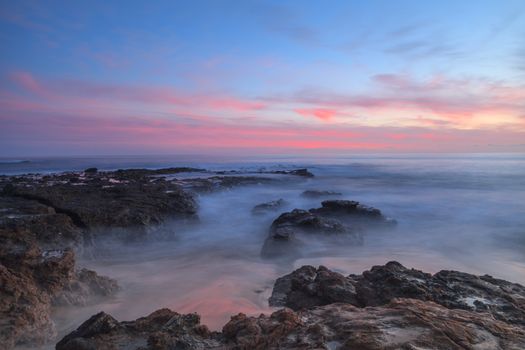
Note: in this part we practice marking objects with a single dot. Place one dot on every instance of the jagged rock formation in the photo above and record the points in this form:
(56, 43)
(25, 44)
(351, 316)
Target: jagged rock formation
(308, 287)
(332, 313)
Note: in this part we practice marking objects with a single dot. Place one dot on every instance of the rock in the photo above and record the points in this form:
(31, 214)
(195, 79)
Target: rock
(298, 172)
(141, 173)
(401, 324)
(32, 280)
(301, 221)
(51, 230)
(102, 201)
(290, 231)
(91, 171)
(24, 311)
(352, 211)
(220, 183)
(347, 219)
(306, 287)
(269, 206)
(163, 329)
(317, 193)
(331, 312)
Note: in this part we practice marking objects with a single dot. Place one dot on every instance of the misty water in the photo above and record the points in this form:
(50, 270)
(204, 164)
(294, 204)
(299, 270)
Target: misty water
(463, 212)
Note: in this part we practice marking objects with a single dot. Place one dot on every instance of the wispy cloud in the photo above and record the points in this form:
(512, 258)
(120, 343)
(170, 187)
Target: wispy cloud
(282, 20)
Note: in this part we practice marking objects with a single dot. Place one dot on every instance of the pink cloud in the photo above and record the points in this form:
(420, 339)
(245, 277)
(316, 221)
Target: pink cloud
(87, 117)
(321, 113)
(63, 90)
(451, 101)
(28, 82)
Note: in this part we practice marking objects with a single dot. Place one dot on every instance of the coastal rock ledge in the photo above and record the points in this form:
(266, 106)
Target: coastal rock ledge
(388, 307)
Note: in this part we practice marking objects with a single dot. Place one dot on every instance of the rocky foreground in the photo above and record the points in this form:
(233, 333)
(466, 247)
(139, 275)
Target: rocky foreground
(388, 307)
(48, 220)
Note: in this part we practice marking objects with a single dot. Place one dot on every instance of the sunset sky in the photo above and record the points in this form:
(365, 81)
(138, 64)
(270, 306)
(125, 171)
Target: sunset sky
(265, 77)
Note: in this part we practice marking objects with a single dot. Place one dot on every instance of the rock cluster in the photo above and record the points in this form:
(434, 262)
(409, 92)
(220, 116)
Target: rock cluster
(308, 287)
(337, 312)
(45, 219)
(97, 200)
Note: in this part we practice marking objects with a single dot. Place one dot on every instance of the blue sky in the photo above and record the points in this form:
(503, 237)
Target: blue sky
(371, 69)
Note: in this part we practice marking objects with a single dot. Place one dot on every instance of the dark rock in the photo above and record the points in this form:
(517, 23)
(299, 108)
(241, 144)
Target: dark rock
(317, 193)
(220, 183)
(400, 324)
(505, 301)
(91, 171)
(344, 218)
(352, 210)
(163, 329)
(307, 287)
(291, 223)
(298, 172)
(109, 200)
(269, 206)
(289, 231)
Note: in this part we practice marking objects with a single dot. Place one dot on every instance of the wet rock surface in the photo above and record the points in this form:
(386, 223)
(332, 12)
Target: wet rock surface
(342, 218)
(308, 286)
(129, 198)
(220, 183)
(330, 313)
(401, 324)
(271, 206)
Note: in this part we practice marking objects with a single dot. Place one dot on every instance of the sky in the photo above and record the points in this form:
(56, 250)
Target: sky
(261, 77)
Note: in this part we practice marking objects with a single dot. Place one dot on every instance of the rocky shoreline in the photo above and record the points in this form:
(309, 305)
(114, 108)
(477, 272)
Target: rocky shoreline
(388, 307)
(46, 221)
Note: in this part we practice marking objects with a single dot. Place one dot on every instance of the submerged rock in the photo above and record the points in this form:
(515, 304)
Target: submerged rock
(318, 193)
(352, 211)
(91, 171)
(336, 218)
(269, 206)
(308, 287)
(298, 172)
